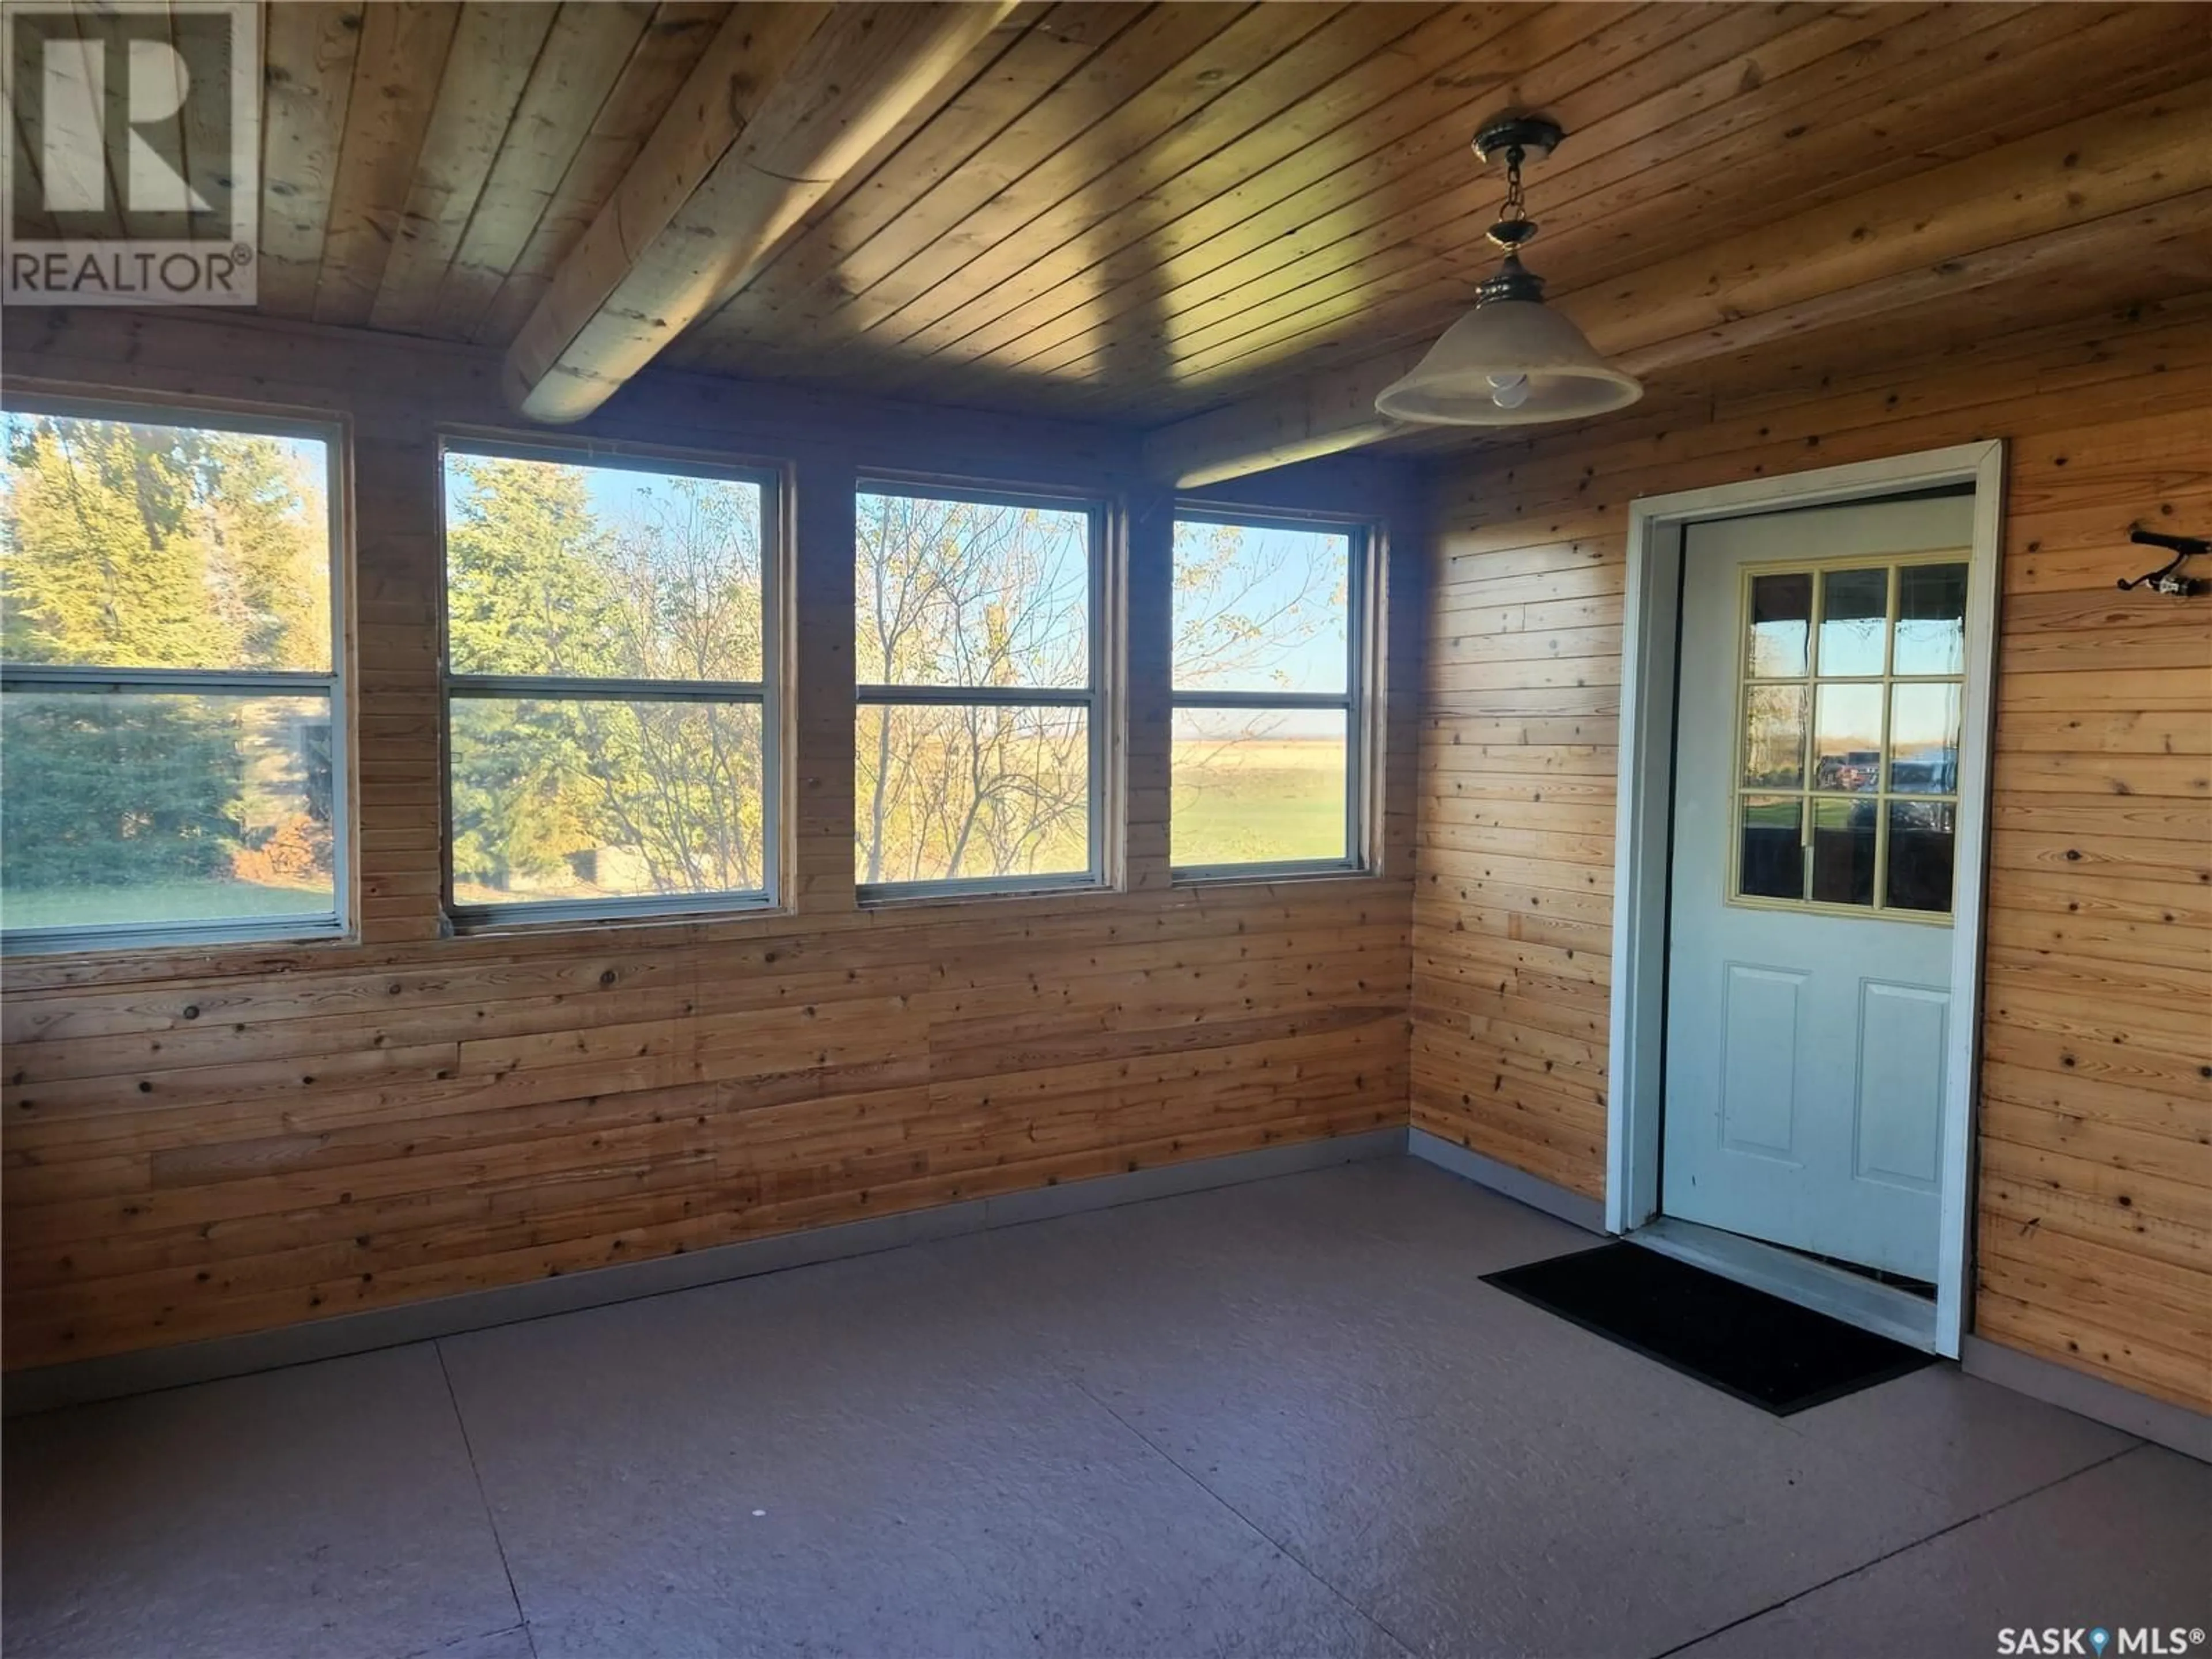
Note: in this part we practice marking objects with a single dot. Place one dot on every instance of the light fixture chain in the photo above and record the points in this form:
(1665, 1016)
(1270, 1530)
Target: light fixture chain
(1515, 206)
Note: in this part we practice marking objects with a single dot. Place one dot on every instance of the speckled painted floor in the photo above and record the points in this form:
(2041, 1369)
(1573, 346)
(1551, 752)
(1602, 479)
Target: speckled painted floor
(1278, 1419)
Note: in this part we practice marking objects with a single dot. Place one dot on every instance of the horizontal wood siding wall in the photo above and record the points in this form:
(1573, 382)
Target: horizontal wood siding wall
(202, 1145)
(2095, 1240)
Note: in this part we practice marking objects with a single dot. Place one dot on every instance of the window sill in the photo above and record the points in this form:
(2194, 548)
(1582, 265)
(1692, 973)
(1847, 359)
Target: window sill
(536, 920)
(78, 945)
(1270, 875)
(909, 896)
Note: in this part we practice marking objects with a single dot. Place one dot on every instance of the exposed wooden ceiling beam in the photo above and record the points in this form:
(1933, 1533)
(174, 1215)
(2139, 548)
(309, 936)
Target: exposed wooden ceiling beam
(2134, 183)
(786, 101)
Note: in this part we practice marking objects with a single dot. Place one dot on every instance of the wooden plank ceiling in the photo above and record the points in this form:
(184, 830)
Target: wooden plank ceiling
(1139, 212)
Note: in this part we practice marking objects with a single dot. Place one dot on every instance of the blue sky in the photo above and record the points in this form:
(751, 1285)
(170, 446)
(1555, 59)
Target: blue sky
(1278, 568)
(1275, 565)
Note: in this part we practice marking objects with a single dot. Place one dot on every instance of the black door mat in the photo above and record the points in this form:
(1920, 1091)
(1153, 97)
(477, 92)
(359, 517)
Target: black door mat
(1765, 1352)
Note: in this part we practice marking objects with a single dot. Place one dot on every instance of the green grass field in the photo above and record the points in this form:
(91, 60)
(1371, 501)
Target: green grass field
(1249, 802)
(156, 902)
(1256, 802)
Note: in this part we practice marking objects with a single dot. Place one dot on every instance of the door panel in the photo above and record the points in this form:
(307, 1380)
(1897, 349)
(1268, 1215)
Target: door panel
(1809, 945)
(1902, 1029)
(1758, 1076)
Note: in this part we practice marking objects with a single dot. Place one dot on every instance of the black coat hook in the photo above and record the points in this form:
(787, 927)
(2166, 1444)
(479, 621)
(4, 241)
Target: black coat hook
(2163, 579)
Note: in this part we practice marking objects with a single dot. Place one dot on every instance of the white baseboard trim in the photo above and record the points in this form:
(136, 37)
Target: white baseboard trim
(80, 1381)
(1538, 1193)
(2173, 1426)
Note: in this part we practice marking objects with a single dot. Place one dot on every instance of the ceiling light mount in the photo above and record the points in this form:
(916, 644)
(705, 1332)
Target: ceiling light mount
(1523, 133)
(1509, 361)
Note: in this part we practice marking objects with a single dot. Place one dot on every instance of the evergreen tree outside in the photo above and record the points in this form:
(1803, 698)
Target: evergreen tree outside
(80, 813)
(632, 599)
(132, 546)
(589, 574)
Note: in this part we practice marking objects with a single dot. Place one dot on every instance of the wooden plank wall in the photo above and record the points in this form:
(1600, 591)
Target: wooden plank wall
(2095, 1146)
(209, 1143)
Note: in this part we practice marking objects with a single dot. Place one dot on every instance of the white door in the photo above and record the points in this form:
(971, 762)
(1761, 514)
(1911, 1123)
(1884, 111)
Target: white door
(1823, 665)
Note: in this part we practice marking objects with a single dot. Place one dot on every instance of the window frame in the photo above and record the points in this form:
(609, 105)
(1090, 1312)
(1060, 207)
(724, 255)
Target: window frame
(1357, 702)
(767, 693)
(1095, 697)
(334, 683)
(1882, 796)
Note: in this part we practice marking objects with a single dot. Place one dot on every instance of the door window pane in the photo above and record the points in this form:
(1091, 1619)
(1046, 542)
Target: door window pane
(1924, 739)
(1873, 784)
(1258, 786)
(1771, 857)
(1843, 849)
(1780, 620)
(1931, 619)
(1853, 622)
(1847, 739)
(1774, 737)
(1922, 836)
(971, 792)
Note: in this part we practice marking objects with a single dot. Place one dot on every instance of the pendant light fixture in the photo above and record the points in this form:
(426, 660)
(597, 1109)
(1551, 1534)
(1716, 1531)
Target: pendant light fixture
(1511, 360)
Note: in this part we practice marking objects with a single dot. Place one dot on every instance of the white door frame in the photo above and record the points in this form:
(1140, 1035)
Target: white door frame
(1635, 1072)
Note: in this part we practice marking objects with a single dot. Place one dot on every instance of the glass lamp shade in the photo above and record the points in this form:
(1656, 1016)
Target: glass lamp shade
(1511, 362)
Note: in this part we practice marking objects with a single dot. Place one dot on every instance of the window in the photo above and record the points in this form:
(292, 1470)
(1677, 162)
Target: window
(1268, 773)
(980, 738)
(610, 666)
(1853, 682)
(171, 717)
